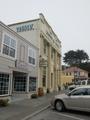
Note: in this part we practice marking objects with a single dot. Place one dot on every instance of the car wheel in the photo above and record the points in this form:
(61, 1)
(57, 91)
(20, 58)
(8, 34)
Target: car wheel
(59, 106)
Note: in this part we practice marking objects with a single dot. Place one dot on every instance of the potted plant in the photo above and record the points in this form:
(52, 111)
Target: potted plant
(34, 95)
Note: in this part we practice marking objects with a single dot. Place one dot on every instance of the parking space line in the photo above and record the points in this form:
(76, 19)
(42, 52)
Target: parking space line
(69, 116)
(35, 113)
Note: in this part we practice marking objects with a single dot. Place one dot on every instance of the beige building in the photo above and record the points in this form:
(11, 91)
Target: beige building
(40, 34)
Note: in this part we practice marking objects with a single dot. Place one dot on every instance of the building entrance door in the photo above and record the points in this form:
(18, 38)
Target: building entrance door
(19, 81)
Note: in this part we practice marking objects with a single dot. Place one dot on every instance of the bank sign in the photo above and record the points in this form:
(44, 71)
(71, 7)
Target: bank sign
(24, 28)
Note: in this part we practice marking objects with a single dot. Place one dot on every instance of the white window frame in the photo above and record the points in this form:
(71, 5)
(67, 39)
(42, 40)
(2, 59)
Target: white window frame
(33, 56)
(8, 56)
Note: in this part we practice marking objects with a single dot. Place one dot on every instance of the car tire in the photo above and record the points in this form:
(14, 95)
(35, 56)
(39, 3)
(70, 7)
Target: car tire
(59, 106)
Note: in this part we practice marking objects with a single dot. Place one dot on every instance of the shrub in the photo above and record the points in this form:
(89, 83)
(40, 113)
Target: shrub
(4, 102)
(34, 95)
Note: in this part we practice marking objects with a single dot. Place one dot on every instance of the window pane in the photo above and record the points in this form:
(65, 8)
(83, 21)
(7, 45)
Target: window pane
(81, 91)
(4, 84)
(12, 52)
(5, 49)
(32, 60)
(6, 40)
(30, 52)
(13, 43)
(32, 56)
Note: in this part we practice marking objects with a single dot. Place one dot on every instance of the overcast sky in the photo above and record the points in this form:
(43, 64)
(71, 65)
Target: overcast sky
(70, 19)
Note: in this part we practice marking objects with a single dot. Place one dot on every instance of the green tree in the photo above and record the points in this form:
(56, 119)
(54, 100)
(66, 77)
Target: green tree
(85, 66)
(77, 57)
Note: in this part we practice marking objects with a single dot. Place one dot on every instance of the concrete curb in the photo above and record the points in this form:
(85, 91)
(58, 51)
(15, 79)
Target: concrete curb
(35, 113)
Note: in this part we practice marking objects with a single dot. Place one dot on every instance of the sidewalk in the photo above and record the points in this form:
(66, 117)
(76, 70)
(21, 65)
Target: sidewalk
(21, 108)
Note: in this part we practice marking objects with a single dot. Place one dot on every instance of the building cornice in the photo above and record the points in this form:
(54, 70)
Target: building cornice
(23, 22)
(45, 21)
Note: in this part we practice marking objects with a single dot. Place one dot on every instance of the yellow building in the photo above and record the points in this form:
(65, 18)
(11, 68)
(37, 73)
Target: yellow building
(41, 35)
(66, 79)
(73, 74)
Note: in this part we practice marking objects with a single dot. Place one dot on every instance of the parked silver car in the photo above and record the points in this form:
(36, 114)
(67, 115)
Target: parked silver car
(77, 99)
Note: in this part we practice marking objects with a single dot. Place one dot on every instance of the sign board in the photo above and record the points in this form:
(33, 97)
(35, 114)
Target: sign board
(43, 63)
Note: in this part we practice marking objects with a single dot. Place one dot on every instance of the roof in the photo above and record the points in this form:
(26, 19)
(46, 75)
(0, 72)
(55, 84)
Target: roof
(42, 18)
(23, 22)
(74, 69)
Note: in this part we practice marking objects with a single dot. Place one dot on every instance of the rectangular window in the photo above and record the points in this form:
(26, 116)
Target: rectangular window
(32, 56)
(4, 84)
(9, 46)
(5, 49)
(12, 52)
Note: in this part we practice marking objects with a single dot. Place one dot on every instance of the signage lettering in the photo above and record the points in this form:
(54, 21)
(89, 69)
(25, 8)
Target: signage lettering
(25, 28)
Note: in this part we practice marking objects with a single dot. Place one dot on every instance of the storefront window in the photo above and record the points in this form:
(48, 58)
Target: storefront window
(20, 83)
(4, 83)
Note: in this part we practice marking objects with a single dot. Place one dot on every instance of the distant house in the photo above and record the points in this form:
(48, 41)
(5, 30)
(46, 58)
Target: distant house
(72, 74)
(76, 72)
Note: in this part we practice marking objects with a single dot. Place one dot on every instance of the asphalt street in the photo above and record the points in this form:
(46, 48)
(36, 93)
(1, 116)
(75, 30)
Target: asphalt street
(38, 109)
(50, 114)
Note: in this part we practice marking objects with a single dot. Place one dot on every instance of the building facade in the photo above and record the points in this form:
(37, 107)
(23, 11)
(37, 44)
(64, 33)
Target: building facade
(41, 35)
(79, 74)
(73, 75)
(19, 63)
(66, 79)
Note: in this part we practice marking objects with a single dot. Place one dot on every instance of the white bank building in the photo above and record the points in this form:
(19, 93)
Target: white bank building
(39, 33)
(18, 64)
